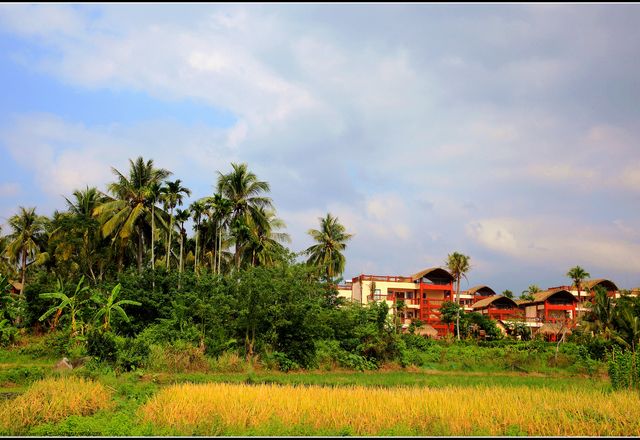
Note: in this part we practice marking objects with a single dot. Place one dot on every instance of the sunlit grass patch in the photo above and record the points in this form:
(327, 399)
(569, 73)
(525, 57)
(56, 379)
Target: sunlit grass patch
(51, 400)
(268, 409)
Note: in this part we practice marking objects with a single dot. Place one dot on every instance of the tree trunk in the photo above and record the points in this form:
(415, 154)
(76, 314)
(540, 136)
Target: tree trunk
(195, 262)
(169, 240)
(458, 312)
(140, 249)
(153, 236)
(181, 247)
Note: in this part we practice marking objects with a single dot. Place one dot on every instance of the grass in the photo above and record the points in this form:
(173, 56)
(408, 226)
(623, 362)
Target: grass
(268, 409)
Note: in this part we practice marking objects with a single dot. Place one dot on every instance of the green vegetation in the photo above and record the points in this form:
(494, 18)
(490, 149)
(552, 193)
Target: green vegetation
(117, 286)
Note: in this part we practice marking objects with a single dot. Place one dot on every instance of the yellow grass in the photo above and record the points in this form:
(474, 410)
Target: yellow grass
(51, 400)
(210, 409)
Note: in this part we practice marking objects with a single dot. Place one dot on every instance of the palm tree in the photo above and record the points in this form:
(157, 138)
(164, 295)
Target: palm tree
(182, 215)
(197, 210)
(172, 195)
(111, 305)
(24, 241)
(127, 213)
(331, 241)
(72, 303)
(601, 315)
(264, 241)
(577, 274)
(507, 294)
(245, 192)
(531, 290)
(154, 190)
(458, 265)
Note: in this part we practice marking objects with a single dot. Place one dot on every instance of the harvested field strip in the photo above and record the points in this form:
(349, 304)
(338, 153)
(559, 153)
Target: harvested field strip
(52, 400)
(228, 409)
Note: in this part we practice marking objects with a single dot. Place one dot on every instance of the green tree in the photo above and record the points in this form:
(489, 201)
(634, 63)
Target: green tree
(458, 264)
(182, 215)
(450, 313)
(248, 201)
(600, 319)
(109, 305)
(264, 245)
(577, 274)
(25, 240)
(172, 195)
(128, 213)
(528, 295)
(507, 294)
(331, 241)
(197, 209)
(72, 303)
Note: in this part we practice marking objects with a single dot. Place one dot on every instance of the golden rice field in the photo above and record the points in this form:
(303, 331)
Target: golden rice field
(236, 409)
(51, 400)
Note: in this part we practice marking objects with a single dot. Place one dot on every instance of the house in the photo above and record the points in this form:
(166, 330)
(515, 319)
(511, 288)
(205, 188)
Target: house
(499, 308)
(410, 298)
(473, 295)
(554, 306)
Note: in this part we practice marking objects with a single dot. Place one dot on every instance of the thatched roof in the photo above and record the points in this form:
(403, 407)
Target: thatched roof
(16, 284)
(553, 328)
(426, 330)
(433, 273)
(591, 284)
(492, 299)
(481, 290)
(546, 294)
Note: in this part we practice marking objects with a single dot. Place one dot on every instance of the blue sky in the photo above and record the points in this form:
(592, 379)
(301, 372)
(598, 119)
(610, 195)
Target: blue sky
(509, 133)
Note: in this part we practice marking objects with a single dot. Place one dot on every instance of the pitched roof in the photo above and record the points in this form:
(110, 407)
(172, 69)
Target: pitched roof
(590, 284)
(544, 295)
(487, 301)
(438, 272)
(486, 289)
(553, 328)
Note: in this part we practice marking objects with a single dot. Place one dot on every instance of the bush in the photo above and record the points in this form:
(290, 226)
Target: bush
(55, 344)
(102, 345)
(179, 357)
(624, 370)
(132, 353)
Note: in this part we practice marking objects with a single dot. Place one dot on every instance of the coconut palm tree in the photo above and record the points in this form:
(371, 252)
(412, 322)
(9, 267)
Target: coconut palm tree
(172, 195)
(25, 240)
(577, 274)
(601, 316)
(128, 213)
(331, 241)
(154, 191)
(265, 242)
(458, 265)
(246, 194)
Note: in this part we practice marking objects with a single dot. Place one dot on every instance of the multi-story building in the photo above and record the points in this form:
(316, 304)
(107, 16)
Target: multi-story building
(413, 297)
(551, 312)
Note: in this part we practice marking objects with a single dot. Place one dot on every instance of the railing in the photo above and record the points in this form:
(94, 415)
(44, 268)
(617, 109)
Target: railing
(395, 279)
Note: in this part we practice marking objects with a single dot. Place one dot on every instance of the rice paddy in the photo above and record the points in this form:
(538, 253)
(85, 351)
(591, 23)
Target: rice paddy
(268, 409)
(51, 400)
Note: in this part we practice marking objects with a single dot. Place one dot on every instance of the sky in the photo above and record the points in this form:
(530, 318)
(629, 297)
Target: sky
(506, 132)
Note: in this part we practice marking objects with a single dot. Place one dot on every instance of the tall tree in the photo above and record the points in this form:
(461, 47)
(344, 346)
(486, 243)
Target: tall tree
(182, 215)
(265, 242)
(25, 240)
(458, 265)
(154, 191)
(173, 195)
(577, 274)
(127, 214)
(248, 201)
(197, 209)
(331, 240)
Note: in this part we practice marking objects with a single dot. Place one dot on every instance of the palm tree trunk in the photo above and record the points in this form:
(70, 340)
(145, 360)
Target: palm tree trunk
(181, 245)
(195, 262)
(219, 254)
(153, 236)
(140, 249)
(458, 312)
(24, 272)
(169, 240)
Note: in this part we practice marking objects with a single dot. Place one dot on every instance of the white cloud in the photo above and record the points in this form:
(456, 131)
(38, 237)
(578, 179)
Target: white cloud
(557, 241)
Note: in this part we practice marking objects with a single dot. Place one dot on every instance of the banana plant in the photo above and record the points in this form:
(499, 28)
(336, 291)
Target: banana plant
(109, 305)
(71, 303)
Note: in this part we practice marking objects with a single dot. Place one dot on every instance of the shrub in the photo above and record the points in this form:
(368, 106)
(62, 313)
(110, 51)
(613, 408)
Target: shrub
(132, 353)
(102, 345)
(624, 370)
